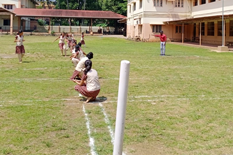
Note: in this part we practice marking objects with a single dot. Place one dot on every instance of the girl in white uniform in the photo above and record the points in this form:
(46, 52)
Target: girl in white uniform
(61, 43)
(81, 66)
(19, 45)
(89, 85)
(77, 55)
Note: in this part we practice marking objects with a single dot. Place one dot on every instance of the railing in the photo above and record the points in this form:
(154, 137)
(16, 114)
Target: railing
(60, 29)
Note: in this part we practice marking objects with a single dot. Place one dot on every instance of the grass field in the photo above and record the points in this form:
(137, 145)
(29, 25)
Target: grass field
(178, 104)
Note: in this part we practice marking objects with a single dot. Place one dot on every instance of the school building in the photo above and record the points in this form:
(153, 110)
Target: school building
(22, 15)
(8, 20)
(181, 20)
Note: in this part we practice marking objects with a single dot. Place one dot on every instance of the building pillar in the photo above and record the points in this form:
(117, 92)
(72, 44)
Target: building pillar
(224, 33)
(182, 33)
(19, 4)
(91, 24)
(11, 24)
(49, 25)
(200, 35)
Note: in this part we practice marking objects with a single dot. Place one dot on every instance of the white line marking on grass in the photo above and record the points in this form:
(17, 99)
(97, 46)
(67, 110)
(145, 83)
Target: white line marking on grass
(34, 79)
(107, 121)
(92, 141)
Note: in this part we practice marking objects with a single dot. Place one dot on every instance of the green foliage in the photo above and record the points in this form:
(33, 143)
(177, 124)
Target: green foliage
(102, 25)
(39, 7)
(52, 32)
(41, 22)
(118, 6)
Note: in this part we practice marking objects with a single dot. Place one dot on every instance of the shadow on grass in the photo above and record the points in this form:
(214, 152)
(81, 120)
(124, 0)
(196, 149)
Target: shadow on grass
(98, 99)
(28, 61)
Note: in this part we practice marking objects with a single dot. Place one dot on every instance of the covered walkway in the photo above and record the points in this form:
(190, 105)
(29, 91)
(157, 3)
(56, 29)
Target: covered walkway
(22, 13)
(6, 12)
(207, 46)
(205, 30)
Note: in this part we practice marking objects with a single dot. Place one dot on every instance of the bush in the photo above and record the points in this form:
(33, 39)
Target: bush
(41, 22)
(52, 33)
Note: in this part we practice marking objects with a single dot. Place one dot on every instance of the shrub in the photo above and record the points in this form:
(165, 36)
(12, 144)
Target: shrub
(41, 22)
(52, 33)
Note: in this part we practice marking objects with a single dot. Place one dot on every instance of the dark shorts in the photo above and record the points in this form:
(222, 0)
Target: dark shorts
(61, 45)
(82, 42)
(20, 49)
(83, 90)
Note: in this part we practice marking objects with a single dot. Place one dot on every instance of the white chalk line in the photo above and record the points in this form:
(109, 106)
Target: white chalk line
(34, 79)
(136, 98)
(107, 121)
(92, 141)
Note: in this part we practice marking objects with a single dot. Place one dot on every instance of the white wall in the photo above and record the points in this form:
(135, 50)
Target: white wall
(13, 2)
(212, 9)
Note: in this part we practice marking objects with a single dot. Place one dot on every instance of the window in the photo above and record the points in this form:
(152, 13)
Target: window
(211, 1)
(140, 5)
(179, 3)
(140, 29)
(202, 1)
(210, 28)
(129, 9)
(203, 29)
(178, 29)
(6, 22)
(9, 7)
(231, 27)
(134, 6)
(156, 28)
(158, 3)
(195, 3)
(220, 28)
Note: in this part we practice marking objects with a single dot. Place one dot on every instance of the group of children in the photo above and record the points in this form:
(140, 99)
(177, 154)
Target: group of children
(65, 37)
(84, 76)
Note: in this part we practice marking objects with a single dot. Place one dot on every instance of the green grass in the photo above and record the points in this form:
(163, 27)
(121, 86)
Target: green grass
(177, 104)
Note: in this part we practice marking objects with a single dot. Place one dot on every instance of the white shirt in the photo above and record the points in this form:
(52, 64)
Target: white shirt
(62, 39)
(92, 80)
(73, 51)
(19, 40)
(81, 65)
(69, 37)
(80, 55)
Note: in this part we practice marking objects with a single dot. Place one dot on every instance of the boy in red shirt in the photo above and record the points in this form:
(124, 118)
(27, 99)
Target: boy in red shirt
(163, 40)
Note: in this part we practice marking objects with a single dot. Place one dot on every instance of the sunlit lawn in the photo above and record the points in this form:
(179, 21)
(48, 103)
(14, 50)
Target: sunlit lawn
(178, 104)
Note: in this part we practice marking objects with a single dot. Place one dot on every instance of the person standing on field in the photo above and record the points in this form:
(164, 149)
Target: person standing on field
(163, 39)
(19, 45)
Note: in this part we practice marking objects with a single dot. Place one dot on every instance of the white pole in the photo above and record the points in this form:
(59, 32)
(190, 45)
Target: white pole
(223, 27)
(121, 107)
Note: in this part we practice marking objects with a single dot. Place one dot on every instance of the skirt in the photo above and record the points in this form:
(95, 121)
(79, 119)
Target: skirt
(20, 50)
(61, 45)
(82, 42)
(83, 90)
(70, 43)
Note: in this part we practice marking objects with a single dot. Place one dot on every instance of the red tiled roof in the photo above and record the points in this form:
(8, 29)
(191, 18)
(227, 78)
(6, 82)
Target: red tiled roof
(27, 12)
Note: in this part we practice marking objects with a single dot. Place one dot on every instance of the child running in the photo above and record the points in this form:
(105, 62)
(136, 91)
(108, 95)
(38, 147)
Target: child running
(69, 38)
(19, 45)
(61, 44)
(82, 39)
(89, 85)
